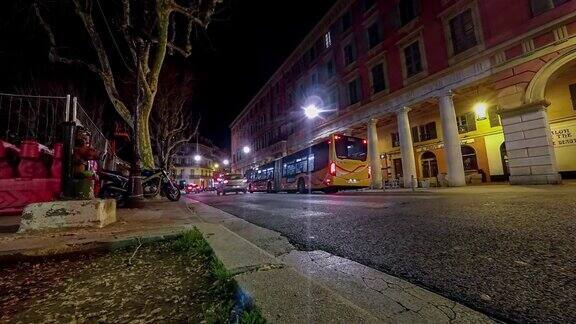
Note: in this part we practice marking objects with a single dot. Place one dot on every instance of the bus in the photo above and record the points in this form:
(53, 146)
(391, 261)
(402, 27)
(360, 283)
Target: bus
(339, 162)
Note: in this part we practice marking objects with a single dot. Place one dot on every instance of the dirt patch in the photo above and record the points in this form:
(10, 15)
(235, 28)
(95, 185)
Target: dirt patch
(155, 282)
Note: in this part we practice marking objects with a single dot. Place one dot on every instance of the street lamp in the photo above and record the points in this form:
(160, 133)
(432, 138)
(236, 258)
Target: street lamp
(226, 162)
(480, 110)
(311, 111)
(197, 158)
(216, 166)
(246, 149)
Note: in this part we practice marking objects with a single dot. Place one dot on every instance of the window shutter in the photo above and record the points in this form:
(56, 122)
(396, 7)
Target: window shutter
(393, 19)
(471, 122)
(541, 6)
(432, 130)
(493, 116)
(415, 134)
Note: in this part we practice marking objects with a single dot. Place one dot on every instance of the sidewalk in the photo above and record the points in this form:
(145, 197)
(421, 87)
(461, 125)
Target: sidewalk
(290, 286)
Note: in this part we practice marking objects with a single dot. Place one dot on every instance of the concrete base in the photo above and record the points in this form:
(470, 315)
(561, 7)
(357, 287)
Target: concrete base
(66, 214)
(552, 179)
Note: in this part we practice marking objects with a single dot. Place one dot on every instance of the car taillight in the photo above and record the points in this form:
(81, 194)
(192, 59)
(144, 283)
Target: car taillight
(225, 181)
(333, 168)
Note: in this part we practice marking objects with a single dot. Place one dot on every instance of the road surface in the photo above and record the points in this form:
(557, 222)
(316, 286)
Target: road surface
(507, 251)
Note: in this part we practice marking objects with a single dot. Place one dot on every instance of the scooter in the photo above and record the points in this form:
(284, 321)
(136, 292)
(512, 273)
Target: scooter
(154, 182)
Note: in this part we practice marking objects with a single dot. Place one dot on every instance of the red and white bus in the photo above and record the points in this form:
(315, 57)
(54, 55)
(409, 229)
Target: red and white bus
(339, 162)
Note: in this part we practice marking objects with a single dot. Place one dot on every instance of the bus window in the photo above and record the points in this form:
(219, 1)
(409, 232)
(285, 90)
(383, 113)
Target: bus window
(320, 157)
(351, 148)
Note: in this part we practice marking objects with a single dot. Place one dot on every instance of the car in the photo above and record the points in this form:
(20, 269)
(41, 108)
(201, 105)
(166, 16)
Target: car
(192, 188)
(232, 183)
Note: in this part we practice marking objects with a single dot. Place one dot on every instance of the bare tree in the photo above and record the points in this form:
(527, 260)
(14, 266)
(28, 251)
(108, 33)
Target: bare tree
(172, 122)
(139, 34)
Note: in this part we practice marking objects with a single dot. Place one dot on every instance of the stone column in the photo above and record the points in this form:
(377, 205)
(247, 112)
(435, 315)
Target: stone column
(374, 155)
(406, 148)
(529, 144)
(452, 143)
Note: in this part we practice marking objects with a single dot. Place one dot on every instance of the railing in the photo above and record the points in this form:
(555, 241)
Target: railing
(32, 118)
(97, 139)
(32, 154)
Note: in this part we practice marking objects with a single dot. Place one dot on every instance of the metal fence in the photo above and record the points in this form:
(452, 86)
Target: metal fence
(97, 139)
(32, 117)
(27, 117)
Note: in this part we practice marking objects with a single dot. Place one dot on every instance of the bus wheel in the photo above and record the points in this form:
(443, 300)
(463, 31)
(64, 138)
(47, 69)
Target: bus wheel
(301, 186)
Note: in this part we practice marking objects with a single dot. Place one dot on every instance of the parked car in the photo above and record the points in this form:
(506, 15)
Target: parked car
(232, 183)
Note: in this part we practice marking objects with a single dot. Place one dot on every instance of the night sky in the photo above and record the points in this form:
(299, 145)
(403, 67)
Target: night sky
(249, 41)
(246, 43)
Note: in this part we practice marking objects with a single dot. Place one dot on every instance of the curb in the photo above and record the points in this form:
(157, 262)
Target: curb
(302, 287)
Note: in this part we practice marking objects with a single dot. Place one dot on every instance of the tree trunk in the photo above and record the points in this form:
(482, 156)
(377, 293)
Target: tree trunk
(146, 153)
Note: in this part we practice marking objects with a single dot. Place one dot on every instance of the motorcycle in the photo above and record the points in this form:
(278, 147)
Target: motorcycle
(115, 185)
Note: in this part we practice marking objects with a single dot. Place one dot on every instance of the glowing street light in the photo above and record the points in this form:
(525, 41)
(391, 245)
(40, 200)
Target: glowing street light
(197, 158)
(226, 162)
(480, 110)
(311, 111)
(216, 166)
(246, 149)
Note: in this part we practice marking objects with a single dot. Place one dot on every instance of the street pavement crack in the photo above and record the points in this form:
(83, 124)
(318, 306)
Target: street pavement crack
(256, 268)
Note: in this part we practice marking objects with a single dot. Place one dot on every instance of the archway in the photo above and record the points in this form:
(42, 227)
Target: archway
(536, 90)
(429, 165)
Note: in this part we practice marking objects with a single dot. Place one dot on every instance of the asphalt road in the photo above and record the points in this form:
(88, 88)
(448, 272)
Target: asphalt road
(508, 252)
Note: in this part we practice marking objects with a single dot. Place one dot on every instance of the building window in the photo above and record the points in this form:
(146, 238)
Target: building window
(429, 165)
(408, 10)
(349, 54)
(462, 32)
(573, 95)
(312, 54)
(428, 132)
(333, 100)
(378, 78)
(413, 59)
(346, 21)
(466, 123)
(354, 91)
(328, 40)
(541, 6)
(469, 158)
(395, 139)
(398, 168)
(374, 36)
(330, 71)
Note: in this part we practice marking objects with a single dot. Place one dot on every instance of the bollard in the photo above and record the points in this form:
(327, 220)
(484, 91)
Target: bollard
(31, 166)
(67, 185)
(6, 171)
(56, 167)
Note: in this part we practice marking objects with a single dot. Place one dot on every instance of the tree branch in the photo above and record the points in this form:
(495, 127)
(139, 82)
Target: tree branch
(53, 54)
(106, 70)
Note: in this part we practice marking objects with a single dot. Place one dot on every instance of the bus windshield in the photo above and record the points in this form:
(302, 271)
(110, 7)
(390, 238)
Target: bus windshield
(351, 148)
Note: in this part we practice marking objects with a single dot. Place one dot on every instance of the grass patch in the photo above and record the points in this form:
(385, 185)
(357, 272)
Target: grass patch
(253, 316)
(228, 310)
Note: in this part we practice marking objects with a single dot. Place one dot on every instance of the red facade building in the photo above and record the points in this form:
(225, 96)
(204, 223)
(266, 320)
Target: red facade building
(453, 91)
